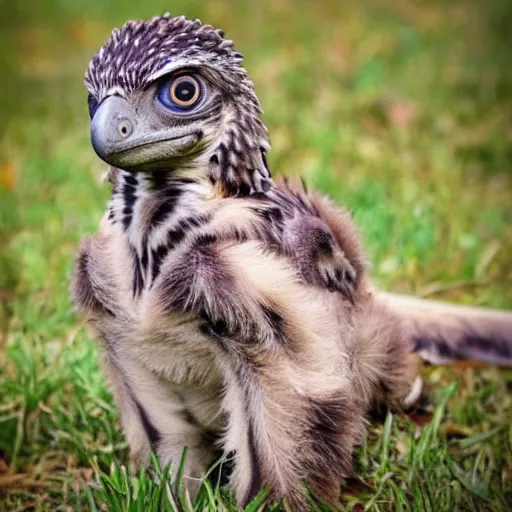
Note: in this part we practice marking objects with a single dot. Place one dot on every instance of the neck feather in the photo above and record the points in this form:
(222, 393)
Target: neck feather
(236, 160)
(155, 212)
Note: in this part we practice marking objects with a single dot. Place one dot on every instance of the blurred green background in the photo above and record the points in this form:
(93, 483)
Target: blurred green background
(399, 109)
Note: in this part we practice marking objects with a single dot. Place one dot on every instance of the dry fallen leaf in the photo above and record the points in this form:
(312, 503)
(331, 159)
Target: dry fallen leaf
(7, 176)
(419, 417)
(401, 113)
(356, 486)
(4, 467)
(454, 431)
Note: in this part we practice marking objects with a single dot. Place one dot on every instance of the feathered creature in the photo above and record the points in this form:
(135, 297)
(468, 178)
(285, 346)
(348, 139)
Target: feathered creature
(235, 312)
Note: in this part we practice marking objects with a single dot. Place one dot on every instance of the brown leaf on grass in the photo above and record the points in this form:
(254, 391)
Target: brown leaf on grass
(401, 113)
(356, 486)
(7, 176)
(419, 417)
(358, 507)
(454, 431)
(4, 467)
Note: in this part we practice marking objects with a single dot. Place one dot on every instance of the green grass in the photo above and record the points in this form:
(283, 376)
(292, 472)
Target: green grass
(400, 110)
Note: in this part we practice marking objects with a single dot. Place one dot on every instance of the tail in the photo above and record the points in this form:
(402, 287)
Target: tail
(443, 333)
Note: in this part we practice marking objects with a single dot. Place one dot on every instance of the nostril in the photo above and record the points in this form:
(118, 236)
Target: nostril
(125, 128)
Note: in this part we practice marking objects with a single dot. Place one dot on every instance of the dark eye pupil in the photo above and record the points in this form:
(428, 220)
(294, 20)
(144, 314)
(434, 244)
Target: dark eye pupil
(185, 91)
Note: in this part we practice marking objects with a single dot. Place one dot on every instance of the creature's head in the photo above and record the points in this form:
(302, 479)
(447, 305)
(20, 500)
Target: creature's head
(171, 94)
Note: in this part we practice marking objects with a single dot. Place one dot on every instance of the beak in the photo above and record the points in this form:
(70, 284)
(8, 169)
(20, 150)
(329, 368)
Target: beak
(125, 140)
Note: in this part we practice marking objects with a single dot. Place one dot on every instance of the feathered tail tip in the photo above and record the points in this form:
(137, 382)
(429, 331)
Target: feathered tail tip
(443, 333)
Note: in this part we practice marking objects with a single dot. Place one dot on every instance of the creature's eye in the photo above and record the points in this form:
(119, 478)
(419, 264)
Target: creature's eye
(181, 93)
(93, 105)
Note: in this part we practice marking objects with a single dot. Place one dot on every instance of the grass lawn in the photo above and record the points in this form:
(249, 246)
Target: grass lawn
(400, 110)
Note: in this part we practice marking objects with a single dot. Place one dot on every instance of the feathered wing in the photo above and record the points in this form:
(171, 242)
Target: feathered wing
(301, 364)
(440, 333)
(443, 333)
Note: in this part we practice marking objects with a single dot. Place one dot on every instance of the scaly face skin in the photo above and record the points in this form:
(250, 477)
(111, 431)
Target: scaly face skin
(171, 95)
